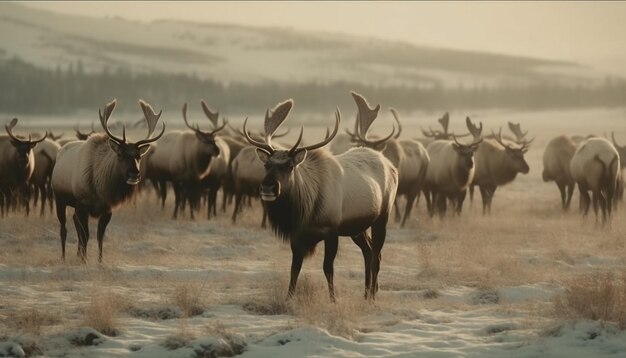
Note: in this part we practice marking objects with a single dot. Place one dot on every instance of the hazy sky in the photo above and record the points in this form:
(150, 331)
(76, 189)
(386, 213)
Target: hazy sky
(586, 32)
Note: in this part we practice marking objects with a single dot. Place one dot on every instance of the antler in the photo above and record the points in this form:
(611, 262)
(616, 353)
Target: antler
(473, 129)
(276, 116)
(265, 146)
(523, 146)
(445, 122)
(152, 119)
(366, 115)
(184, 110)
(9, 128)
(104, 119)
(213, 116)
(613, 137)
(517, 131)
(396, 117)
(326, 140)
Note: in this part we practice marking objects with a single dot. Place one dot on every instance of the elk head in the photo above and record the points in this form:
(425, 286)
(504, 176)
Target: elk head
(206, 138)
(83, 136)
(466, 151)
(128, 153)
(22, 147)
(621, 150)
(515, 154)
(365, 117)
(280, 164)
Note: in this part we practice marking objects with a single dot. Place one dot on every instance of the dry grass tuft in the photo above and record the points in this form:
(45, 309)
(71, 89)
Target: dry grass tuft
(189, 298)
(101, 313)
(31, 320)
(598, 297)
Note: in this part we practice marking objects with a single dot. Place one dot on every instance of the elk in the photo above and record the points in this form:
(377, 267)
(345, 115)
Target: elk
(17, 163)
(218, 169)
(595, 167)
(556, 166)
(45, 158)
(312, 196)
(497, 164)
(183, 158)
(450, 172)
(248, 173)
(99, 174)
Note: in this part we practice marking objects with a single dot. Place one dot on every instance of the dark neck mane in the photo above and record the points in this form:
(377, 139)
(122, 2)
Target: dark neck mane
(298, 208)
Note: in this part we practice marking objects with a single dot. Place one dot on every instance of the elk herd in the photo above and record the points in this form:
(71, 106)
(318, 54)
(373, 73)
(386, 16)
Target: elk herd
(344, 184)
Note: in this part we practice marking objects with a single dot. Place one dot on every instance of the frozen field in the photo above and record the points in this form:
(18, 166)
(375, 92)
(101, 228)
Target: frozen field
(468, 286)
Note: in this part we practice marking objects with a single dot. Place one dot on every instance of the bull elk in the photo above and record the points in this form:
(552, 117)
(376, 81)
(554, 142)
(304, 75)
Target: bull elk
(312, 196)
(450, 171)
(17, 163)
(97, 175)
(497, 163)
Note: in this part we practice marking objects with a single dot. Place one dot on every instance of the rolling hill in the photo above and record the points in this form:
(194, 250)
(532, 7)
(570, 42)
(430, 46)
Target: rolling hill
(251, 55)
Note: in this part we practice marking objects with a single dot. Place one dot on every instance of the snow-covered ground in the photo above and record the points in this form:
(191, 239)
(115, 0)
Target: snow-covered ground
(469, 286)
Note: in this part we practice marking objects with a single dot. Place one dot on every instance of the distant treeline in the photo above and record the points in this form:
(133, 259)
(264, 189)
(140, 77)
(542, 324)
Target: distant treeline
(29, 89)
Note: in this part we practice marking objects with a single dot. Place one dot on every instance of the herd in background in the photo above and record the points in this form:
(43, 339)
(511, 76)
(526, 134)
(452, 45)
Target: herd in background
(341, 186)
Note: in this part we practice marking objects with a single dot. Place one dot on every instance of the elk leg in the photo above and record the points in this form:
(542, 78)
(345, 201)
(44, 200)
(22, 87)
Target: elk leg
(459, 201)
(379, 233)
(561, 187)
(177, 198)
(264, 221)
(102, 225)
(163, 192)
(36, 195)
(81, 221)
(585, 200)
(396, 209)
(212, 202)
(297, 256)
(238, 198)
(429, 203)
(492, 193)
(595, 198)
(330, 252)
(364, 243)
(471, 196)
(484, 196)
(410, 198)
(62, 220)
(44, 197)
(442, 204)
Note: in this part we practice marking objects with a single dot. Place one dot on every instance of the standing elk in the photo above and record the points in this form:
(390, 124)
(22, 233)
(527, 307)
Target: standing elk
(556, 167)
(450, 172)
(183, 158)
(619, 193)
(45, 158)
(312, 196)
(497, 163)
(97, 175)
(17, 163)
(218, 169)
(248, 173)
(595, 167)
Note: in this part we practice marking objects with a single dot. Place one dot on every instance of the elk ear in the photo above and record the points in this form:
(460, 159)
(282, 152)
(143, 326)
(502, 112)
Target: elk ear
(299, 157)
(115, 146)
(263, 155)
(456, 147)
(144, 149)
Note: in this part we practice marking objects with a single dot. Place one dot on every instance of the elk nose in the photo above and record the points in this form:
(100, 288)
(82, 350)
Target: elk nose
(270, 191)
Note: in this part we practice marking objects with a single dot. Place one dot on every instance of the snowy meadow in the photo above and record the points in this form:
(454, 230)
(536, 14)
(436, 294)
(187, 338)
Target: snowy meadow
(526, 281)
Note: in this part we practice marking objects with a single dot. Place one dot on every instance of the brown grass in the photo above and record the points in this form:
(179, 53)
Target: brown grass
(189, 297)
(598, 297)
(32, 320)
(102, 312)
